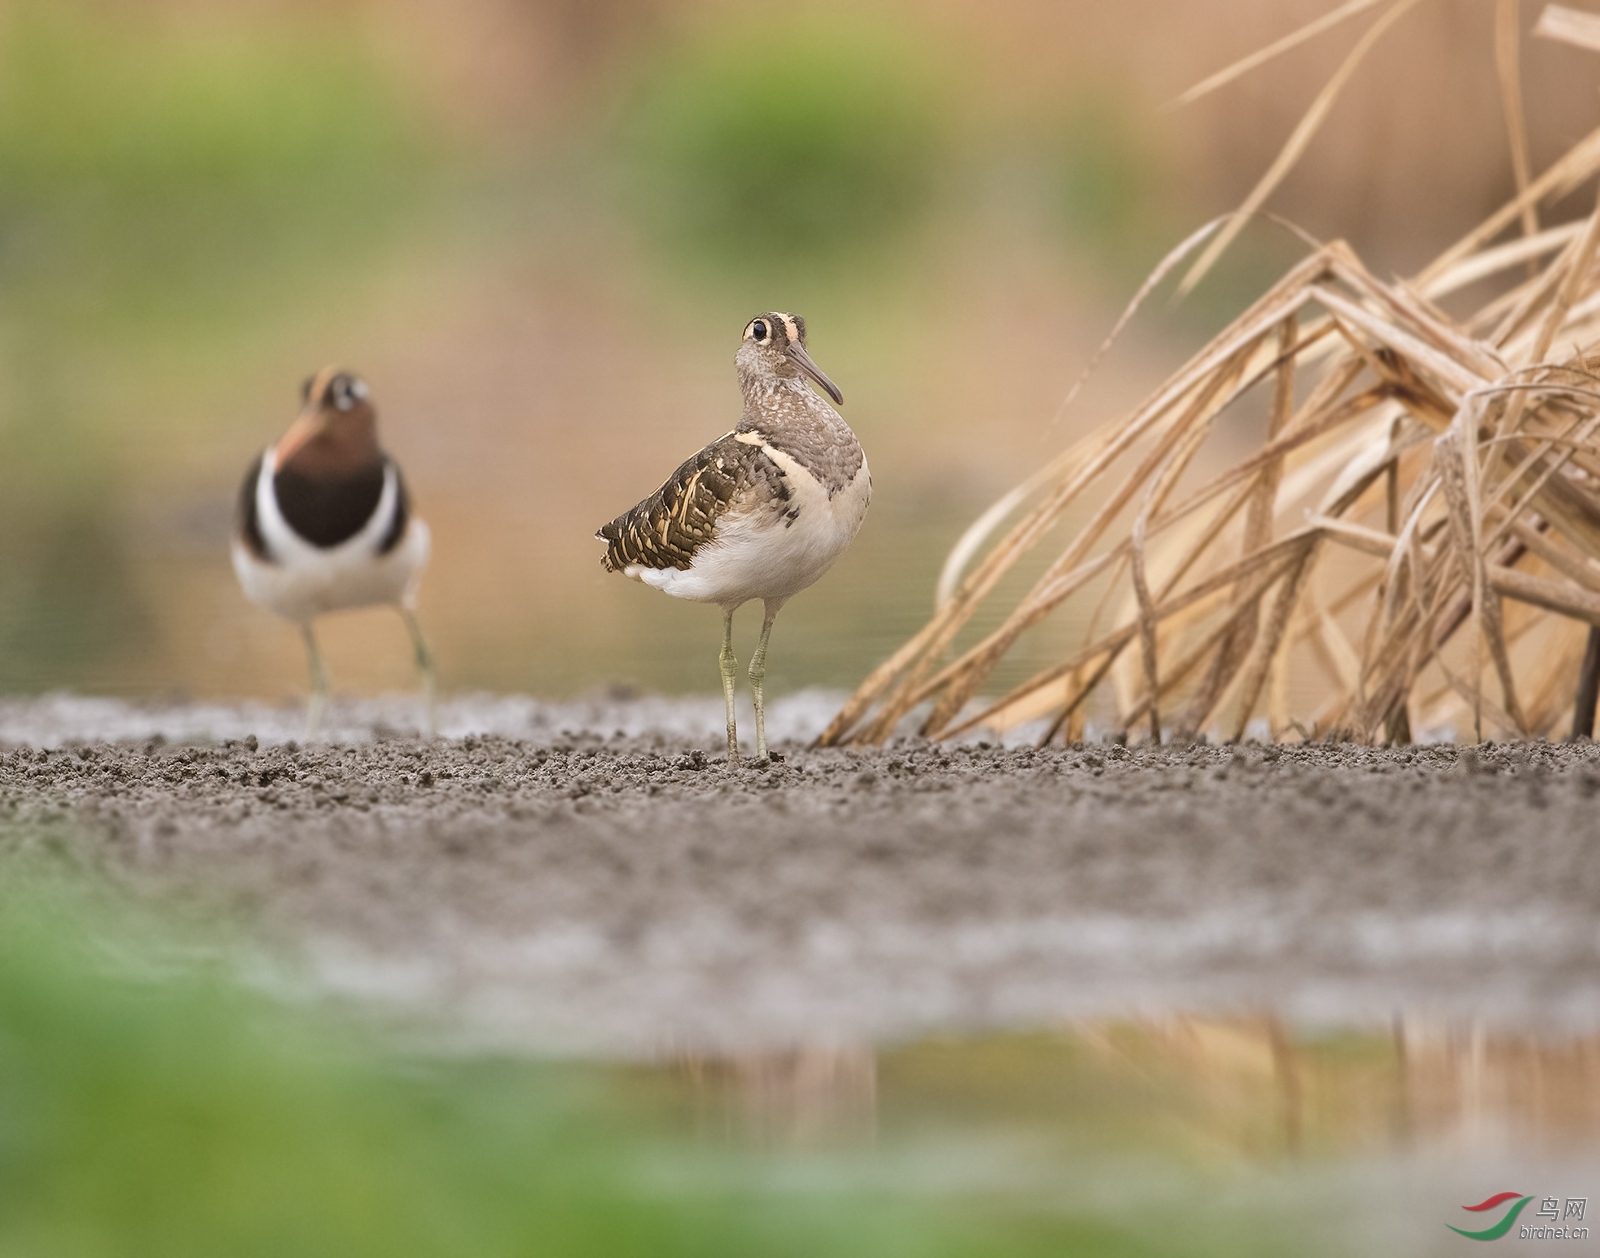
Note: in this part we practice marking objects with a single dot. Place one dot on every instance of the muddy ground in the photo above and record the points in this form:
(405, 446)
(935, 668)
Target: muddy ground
(626, 892)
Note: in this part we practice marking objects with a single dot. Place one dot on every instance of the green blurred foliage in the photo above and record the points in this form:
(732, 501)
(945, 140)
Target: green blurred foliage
(787, 141)
(155, 171)
(763, 153)
(1105, 183)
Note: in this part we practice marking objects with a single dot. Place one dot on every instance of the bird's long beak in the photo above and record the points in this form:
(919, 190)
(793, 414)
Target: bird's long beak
(311, 423)
(802, 360)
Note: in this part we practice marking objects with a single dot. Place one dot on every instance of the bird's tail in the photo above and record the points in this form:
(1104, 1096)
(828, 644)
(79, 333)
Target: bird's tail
(609, 533)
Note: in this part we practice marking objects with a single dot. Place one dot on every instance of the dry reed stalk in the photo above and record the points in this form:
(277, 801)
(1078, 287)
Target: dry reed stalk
(1421, 528)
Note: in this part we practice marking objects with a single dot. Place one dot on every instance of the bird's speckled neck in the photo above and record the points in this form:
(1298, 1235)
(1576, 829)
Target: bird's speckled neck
(791, 417)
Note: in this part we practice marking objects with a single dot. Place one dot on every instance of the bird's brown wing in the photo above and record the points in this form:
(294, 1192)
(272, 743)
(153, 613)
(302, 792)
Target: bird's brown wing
(668, 527)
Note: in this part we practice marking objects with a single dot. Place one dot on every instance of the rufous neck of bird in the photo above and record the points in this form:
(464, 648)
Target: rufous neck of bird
(341, 443)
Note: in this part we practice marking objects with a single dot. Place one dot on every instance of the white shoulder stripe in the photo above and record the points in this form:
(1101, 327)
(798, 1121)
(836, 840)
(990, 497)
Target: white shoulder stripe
(289, 548)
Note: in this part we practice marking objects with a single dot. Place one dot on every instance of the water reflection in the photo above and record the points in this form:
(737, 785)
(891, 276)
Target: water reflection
(795, 1098)
(1249, 1090)
(1471, 1089)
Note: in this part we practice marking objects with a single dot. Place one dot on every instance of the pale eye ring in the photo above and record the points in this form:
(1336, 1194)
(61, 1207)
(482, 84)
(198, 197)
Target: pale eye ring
(758, 329)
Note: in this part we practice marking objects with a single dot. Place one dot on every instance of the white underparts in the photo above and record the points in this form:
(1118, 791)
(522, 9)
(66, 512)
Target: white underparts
(303, 581)
(763, 549)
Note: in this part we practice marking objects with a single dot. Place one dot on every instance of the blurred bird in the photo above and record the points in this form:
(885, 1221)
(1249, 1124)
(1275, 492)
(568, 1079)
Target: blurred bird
(760, 513)
(324, 524)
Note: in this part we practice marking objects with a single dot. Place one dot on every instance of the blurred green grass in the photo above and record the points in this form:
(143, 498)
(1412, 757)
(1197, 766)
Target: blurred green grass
(765, 150)
(157, 176)
(763, 154)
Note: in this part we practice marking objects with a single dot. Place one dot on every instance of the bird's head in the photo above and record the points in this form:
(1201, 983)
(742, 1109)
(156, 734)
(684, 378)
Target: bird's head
(337, 428)
(774, 346)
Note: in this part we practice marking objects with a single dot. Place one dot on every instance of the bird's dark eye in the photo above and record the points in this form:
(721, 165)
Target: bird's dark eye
(758, 329)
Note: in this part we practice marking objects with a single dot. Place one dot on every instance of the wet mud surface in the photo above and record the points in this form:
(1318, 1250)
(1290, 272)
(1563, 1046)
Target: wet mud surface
(630, 893)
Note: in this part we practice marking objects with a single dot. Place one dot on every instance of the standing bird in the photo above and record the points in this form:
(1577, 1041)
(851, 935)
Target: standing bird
(760, 513)
(324, 524)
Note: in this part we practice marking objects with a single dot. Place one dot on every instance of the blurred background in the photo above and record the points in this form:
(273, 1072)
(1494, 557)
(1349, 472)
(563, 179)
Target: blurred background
(538, 226)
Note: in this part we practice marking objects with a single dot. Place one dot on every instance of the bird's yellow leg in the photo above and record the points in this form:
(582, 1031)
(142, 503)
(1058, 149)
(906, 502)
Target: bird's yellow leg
(319, 683)
(425, 668)
(758, 674)
(730, 672)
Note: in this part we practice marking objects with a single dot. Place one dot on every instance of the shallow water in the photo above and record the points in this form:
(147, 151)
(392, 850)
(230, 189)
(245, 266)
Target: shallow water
(1197, 1134)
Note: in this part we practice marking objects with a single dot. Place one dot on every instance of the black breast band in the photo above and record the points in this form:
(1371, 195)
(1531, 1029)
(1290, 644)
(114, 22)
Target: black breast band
(328, 510)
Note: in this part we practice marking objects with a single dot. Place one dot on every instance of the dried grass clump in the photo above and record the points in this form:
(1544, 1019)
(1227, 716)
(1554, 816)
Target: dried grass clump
(1420, 524)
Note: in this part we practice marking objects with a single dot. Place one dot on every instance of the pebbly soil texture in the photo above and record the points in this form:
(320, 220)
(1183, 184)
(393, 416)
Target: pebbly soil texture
(632, 894)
